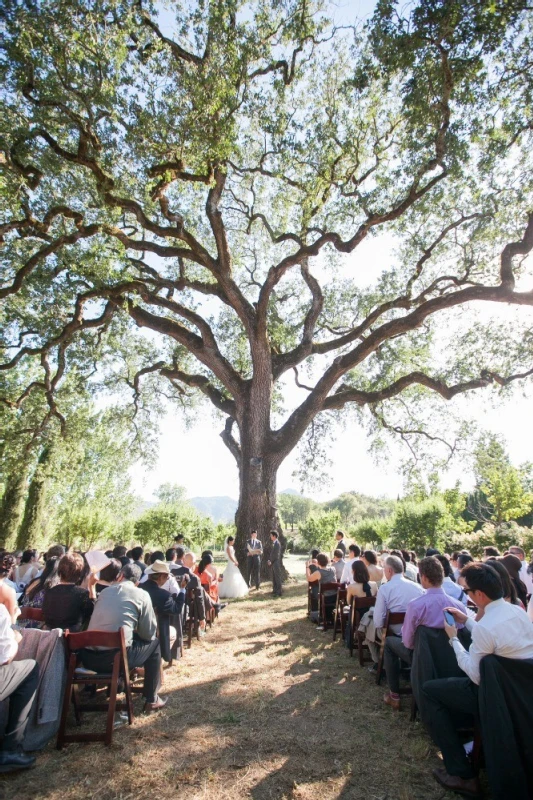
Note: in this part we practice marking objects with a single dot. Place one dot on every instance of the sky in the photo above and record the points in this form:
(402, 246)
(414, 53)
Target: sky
(196, 458)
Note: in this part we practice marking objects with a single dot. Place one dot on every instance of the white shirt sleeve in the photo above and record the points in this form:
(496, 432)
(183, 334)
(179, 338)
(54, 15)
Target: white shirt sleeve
(482, 645)
(530, 608)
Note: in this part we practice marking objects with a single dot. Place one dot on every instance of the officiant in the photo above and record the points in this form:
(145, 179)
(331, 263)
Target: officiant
(254, 547)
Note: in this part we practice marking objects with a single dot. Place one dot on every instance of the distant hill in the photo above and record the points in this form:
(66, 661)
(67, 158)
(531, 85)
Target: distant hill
(289, 491)
(220, 509)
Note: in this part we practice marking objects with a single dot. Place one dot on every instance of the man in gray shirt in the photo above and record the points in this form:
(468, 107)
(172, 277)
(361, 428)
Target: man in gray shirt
(124, 605)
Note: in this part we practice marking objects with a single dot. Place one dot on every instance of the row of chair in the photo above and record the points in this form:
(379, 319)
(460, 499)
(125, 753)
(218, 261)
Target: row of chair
(121, 678)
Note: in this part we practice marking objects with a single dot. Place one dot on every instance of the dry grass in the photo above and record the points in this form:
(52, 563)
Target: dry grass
(264, 707)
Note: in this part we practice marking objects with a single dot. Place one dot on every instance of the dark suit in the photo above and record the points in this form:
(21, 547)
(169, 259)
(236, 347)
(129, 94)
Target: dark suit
(253, 563)
(275, 560)
(164, 605)
(341, 546)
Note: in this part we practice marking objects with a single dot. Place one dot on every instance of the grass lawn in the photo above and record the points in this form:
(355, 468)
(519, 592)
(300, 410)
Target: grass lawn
(265, 706)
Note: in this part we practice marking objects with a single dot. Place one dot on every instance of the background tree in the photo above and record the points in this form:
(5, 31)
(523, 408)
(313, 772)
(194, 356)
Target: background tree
(204, 173)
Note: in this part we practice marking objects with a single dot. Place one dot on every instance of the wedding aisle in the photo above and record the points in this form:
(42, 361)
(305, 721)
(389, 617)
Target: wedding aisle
(265, 706)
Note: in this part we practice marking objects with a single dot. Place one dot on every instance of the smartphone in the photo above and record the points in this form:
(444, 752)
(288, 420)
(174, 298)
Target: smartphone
(448, 617)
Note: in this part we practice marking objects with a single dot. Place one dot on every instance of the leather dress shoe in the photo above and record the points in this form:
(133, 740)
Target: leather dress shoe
(393, 702)
(11, 760)
(468, 787)
(159, 702)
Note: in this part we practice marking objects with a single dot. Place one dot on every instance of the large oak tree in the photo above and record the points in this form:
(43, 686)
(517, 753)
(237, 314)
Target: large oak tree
(206, 171)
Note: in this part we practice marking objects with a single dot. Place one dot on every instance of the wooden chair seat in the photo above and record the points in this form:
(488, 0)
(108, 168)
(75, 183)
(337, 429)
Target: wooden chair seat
(79, 676)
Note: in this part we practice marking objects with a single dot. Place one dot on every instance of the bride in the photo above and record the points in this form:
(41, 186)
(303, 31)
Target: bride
(232, 584)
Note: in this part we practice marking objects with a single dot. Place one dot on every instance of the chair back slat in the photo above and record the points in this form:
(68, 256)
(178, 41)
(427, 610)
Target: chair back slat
(35, 614)
(111, 639)
(394, 618)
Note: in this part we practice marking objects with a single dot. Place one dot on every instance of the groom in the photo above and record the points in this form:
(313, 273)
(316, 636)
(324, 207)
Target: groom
(275, 563)
(254, 560)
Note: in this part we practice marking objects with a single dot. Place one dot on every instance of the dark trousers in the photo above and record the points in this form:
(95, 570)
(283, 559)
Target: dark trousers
(395, 653)
(254, 570)
(445, 701)
(18, 684)
(140, 654)
(276, 577)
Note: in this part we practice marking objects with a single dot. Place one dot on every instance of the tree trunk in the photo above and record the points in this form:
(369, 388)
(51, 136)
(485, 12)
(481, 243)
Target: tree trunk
(257, 509)
(12, 506)
(31, 529)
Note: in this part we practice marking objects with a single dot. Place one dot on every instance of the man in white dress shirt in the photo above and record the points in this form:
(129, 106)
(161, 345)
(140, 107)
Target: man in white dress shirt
(395, 594)
(525, 576)
(504, 630)
(18, 684)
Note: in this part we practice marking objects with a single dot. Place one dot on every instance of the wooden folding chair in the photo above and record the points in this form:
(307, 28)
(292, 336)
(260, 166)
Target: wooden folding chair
(392, 618)
(309, 598)
(33, 614)
(358, 606)
(322, 589)
(76, 676)
(338, 614)
(192, 623)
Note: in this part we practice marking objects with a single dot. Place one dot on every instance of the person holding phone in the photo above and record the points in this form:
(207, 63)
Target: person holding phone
(427, 609)
(504, 630)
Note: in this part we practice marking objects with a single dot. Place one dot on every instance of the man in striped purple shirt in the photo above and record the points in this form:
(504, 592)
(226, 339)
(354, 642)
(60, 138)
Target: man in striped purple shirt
(428, 610)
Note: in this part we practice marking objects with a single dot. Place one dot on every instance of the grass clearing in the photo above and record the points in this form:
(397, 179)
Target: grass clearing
(264, 707)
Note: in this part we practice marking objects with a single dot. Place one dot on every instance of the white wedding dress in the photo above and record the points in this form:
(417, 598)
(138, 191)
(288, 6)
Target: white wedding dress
(232, 584)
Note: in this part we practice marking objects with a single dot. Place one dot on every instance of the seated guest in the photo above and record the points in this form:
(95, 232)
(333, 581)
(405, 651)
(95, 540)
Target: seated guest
(199, 602)
(18, 684)
(455, 564)
(56, 551)
(324, 573)
(513, 565)
(526, 573)
(8, 595)
(504, 630)
(171, 556)
(361, 585)
(120, 553)
(509, 591)
(180, 552)
(490, 552)
(108, 575)
(124, 605)
(411, 571)
(209, 583)
(463, 559)
(449, 584)
(35, 592)
(426, 609)
(395, 594)
(68, 605)
(27, 570)
(136, 555)
(432, 551)
(210, 566)
(341, 544)
(164, 603)
(370, 560)
(338, 563)
(354, 553)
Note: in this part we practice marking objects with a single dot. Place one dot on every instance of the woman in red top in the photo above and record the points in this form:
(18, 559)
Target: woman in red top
(209, 583)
